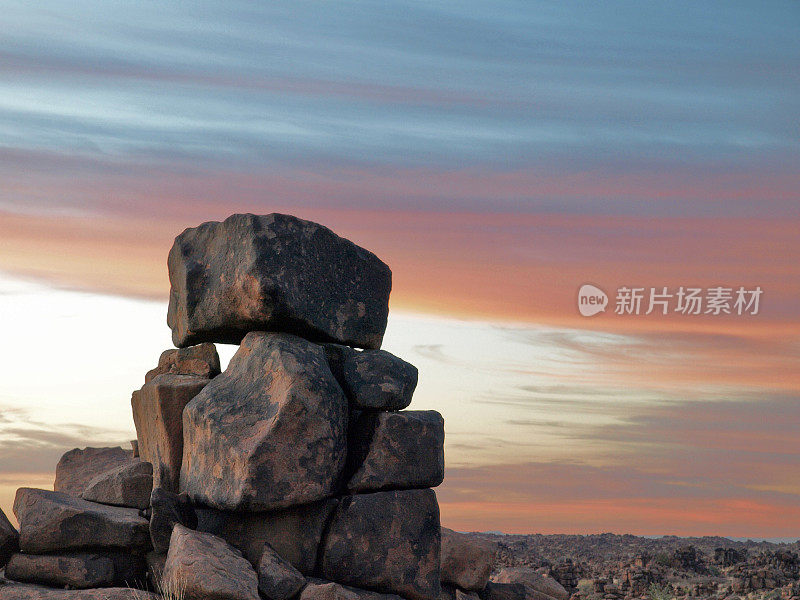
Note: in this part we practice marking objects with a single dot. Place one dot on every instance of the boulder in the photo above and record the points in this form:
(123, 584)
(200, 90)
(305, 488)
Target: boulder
(158, 416)
(79, 466)
(537, 585)
(78, 570)
(241, 433)
(9, 539)
(467, 561)
(201, 360)
(128, 485)
(387, 542)
(373, 379)
(320, 589)
(206, 567)
(59, 522)
(396, 450)
(277, 579)
(294, 533)
(275, 273)
(166, 509)
(504, 591)
(12, 590)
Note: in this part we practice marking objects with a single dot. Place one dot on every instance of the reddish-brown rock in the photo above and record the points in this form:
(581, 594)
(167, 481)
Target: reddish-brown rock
(79, 466)
(201, 360)
(538, 586)
(268, 433)
(277, 578)
(12, 590)
(78, 570)
(158, 416)
(128, 485)
(467, 562)
(319, 589)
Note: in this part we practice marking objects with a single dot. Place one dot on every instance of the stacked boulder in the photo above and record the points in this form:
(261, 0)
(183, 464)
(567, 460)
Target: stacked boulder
(296, 472)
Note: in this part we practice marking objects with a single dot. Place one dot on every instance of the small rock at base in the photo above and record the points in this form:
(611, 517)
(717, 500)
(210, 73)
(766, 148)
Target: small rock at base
(277, 578)
(201, 360)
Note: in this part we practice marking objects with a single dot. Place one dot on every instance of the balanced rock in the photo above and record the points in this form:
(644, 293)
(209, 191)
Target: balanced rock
(12, 590)
(373, 379)
(320, 589)
(78, 570)
(79, 466)
(158, 416)
(275, 273)
(205, 567)
(277, 578)
(396, 450)
(241, 433)
(504, 591)
(9, 539)
(537, 585)
(166, 509)
(128, 485)
(387, 542)
(467, 561)
(294, 533)
(201, 360)
(59, 522)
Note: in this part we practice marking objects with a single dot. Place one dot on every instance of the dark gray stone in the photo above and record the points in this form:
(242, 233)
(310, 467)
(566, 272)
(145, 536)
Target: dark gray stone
(372, 379)
(166, 509)
(58, 522)
(79, 466)
(268, 433)
(387, 542)
(9, 539)
(127, 485)
(396, 450)
(79, 570)
(275, 273)
(277, 578)
(504, 591)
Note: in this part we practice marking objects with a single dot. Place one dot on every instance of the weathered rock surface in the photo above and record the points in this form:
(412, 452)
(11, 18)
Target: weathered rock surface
(241, 430)
(201, 360)
(79, 466)
(275, 273)
(534, 581)
(78, 570)
(12, 590)
(128, 485)
(373, 379)
(9, 539)
(59, 522)
(167, 509)
(207, 568)
(277, 578)
(158, 416)
(465, 595)
(388, 542)
(319, 589)
(396, 450)
(294, 533)
(503, 591)
(467, 562)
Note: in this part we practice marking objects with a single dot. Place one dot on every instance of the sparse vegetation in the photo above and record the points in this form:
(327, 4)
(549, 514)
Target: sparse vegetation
(658, 591)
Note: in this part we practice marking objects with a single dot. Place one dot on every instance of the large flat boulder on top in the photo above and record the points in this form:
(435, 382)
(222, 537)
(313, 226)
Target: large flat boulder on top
(201, 360)
(275, 273)
(387, 542)
(467, 561)
(12, 590)
(319, 589)
(538, 586)
(9, 539)
(206, 567)
(372, 379)
(79, 466)
(58, 522)
(158, 416)
(277, 578)
(78, 570)
(396, 450)
(167, 509)
(128, 485)
(294, 533)
(268, 433)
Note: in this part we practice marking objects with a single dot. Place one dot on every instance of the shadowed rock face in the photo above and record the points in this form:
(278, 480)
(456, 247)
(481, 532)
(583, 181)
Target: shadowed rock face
(320, 589)
(167, 509)
(9, 539)
(373, 379)
(158, 416)
(241, 433)
(396, 450)
(79, 466)
(277, 579)
(129, 485)
(206, 567)
(58, 522)
(79, 570)
(11, 590)
(294, 533)
(466, 561)
(387, 542)
(275, 273)
(504, 591)
(201, 360)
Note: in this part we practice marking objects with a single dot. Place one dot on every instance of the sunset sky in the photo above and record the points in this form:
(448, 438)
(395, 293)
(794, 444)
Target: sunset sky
(496, 156)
